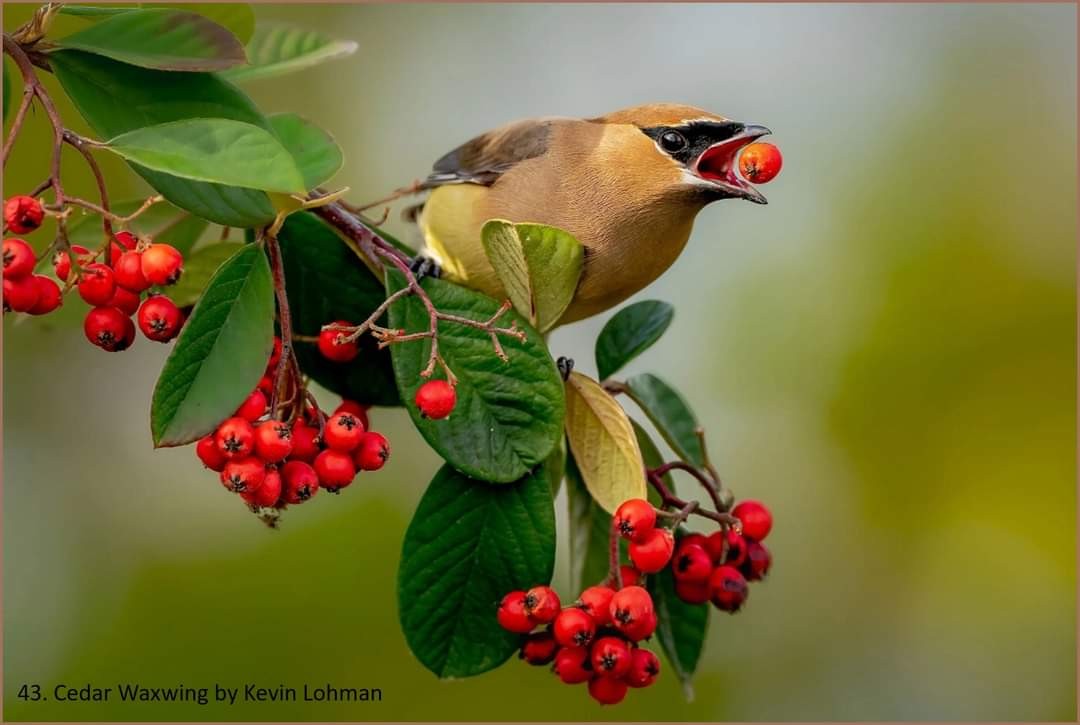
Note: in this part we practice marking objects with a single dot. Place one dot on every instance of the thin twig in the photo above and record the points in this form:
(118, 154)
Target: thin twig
(668, 498)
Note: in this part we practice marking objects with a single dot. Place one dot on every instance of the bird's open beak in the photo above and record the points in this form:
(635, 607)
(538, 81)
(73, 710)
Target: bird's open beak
(716, 165)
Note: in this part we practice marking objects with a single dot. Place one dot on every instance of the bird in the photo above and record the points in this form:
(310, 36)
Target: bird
(627, 185)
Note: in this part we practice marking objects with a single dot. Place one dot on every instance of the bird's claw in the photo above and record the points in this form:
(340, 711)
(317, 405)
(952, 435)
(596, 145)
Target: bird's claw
(422, 266)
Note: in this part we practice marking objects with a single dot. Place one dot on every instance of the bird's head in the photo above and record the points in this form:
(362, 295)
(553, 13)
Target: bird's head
(699, 149)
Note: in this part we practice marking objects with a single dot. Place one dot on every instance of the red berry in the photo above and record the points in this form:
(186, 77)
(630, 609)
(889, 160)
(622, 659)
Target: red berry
(273, 441)
(266, 386)
(693, 592)
(235, 438)
(596, 602)
(243, 474)
(128, 272)
(23, 214)
(758, 562)
(373, 452)
(253, 407)
(755, 519)
(735, 552)
(357, 409)
(436, 399)
(573, 627)
(610, 656)
(332, 349)
(696, 539)
(607, 690)
(305, 442)
(760, 162)
(109, 328)
(653, 552)
(62, 261)
(511, 613)
(635, 519)
(538, 648)
(207, 451)
(122, 242)
(20, 295)
(162, 264)
(335, 469)
(629, 606)
(644, 668)
(572, 665)
(159, 318)
(300, 481)
(343, 432)
(542, 604)
(267, 494)
(640, 629)
(18, 259)
(97, 284)
(275, 355)
(630, 576)
(691, 563)
(728, 588)
(126, 302)
(49, 296)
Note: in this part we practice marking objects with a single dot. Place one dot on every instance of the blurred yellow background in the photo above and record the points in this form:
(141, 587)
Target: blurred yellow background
(885, 355)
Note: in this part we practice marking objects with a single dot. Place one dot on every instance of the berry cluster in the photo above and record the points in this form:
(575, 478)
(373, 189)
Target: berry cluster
(594, 640)
(25, 291)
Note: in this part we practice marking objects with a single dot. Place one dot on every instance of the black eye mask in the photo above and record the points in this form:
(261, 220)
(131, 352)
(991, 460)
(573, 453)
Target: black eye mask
(699, 136)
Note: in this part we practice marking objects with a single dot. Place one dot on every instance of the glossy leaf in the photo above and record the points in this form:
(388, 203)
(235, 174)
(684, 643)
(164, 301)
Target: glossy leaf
(214, 150)
(670, 413)
(116, 97)
(632, 331)
(509, 415)
(603, 443)
(470, 543)
(237, 18)
(162, 222)
(325, 281)
(199, 268)
(314, 151)
(538, 265)
(589, 532)
(161, 38)
(221, 353)
(276, 49)
(680, 628)
(95, 12)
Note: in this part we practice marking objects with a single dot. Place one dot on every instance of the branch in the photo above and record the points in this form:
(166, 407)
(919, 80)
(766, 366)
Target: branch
(669, 499)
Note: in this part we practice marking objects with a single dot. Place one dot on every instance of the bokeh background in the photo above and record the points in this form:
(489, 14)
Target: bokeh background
(885, 354)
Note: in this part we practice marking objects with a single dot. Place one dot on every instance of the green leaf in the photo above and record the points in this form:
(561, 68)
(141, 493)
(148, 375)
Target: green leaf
(468, 545)
(680, 627)
(214, 150)
(315, 152)
(199, 268)
(632, 331)
(670, 413)
(221, 353)
(509, 414)
(538, 265)
(160, 38)
(276, 49)
(325, 282)
(556, 466)
(162, 222)
(116, 97)
(97, 11)
(589, 532)
(603, 443)
(237, 18)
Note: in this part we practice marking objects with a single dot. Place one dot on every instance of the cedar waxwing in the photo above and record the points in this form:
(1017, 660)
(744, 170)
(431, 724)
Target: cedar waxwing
(627, 185)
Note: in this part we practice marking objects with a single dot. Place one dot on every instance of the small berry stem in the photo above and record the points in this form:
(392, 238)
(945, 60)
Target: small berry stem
(287, 360)
(668, 498)
(678, 517)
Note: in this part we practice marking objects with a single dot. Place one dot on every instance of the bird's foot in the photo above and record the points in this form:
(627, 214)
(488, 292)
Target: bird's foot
(422, 266)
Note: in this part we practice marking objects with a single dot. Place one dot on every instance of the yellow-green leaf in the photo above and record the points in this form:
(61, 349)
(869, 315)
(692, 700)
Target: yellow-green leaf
(603, 442)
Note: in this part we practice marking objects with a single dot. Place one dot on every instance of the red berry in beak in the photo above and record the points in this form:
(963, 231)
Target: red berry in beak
(760, 162)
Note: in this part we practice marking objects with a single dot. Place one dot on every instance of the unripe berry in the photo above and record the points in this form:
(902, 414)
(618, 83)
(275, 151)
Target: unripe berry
(122, 242)
(207, 451)
(607, 690)
(630, 605)
(538, 648)
(128, 272)
(23, 214)
(273, 441)
(343, 432)
(691, 563)
(542, 604)
(49, 296)
(644, 668)
(267, 494)
(436, 399)
(305, 445)
(511, 613)
(653, 552)
(335, 470)
(572, 665)
(693, 592)
(243, 474)
(373, 452)
(109, 329)
(573, 628)
(126, 302)
(610, 656)
(728, 588)
(300, 481)
(62, 260)
(18, 259)
(253, 407)
(355, 409)
(235, 438)
(162, 264)
(635, 518)
(596, 602)
(159, 318)
(20, 295)
(755, 519)
(97, 284)
(758, 562)
(332, 349)
(760, 162)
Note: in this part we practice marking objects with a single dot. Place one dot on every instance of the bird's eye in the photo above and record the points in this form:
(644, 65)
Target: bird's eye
(672, 141)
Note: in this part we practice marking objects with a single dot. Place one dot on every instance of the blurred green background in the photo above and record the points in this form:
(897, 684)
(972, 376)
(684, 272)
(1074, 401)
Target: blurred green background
(885, 354)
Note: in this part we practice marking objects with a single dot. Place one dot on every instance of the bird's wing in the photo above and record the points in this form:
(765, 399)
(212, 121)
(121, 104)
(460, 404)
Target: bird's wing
(486, 157)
